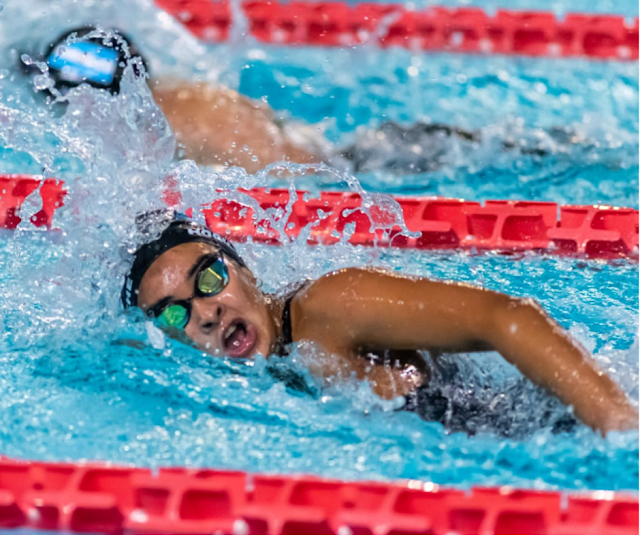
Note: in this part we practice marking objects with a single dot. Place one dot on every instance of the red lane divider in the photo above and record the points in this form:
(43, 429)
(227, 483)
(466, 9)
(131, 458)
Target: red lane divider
(530, 33)
(589, 230)
(594, 231)
(101, 498)
(14, 189)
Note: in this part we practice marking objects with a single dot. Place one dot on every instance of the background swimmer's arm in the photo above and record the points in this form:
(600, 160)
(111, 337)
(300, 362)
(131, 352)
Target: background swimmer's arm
(220, 126)
(355, 308)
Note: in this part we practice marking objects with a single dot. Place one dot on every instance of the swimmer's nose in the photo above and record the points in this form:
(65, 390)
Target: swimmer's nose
(207, 316)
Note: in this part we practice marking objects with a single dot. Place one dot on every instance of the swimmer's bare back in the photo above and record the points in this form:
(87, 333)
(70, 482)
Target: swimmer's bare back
(350, 310)
(216, 125)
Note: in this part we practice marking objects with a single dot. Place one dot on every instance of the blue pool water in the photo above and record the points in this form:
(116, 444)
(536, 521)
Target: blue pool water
(70, 391)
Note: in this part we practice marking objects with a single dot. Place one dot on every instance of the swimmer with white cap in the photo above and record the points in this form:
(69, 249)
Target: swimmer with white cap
(360, 322)
(214, 126)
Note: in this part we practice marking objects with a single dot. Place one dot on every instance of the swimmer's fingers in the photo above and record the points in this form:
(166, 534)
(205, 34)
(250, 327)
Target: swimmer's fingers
(135, 343)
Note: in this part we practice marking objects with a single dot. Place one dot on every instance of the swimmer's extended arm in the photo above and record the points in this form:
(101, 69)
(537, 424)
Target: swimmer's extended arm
(220, 126)
(356, 308)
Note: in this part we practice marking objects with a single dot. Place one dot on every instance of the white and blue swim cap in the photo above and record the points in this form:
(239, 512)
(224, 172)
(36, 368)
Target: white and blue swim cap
(78, 57)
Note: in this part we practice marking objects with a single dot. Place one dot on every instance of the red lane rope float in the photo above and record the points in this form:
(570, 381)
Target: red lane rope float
(468, 30)
(14, 189)
(596, 231)
(100, 498)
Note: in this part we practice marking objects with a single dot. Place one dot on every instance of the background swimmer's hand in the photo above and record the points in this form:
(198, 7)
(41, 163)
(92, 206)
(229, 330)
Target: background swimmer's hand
(220, 126)
(351, 309)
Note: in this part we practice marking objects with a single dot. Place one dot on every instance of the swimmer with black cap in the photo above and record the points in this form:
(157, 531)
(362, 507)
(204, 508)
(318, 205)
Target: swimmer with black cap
(360, 322)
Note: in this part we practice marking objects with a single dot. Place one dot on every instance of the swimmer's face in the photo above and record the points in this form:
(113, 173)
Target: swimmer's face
(235, 322)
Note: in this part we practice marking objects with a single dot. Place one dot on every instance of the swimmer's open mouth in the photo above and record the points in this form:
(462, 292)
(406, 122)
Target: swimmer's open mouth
(239, 338)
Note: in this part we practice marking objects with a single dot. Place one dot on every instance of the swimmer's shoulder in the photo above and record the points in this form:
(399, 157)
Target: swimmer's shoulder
(329, 296)
(180, 93)
(334, 284)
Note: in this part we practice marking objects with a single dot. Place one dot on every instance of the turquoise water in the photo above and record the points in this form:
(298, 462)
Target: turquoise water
(501, 98)
(70, 391)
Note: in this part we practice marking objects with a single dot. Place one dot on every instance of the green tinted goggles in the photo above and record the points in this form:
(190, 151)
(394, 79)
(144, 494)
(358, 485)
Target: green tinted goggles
(210, 280)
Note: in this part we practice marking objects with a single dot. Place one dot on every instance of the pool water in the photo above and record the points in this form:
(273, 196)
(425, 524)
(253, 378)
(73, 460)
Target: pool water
(69, 388)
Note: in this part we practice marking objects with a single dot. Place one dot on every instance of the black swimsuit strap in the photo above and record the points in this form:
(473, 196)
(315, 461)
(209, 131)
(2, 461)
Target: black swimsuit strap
(286, 321)
(287, 336)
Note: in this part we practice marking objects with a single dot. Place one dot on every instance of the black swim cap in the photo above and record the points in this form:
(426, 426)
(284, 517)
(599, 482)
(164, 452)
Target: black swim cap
(176, 228)
(98, 61)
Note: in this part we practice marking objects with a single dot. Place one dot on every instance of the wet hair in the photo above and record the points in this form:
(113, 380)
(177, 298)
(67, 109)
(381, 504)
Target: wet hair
(173, 229)
(74, 59)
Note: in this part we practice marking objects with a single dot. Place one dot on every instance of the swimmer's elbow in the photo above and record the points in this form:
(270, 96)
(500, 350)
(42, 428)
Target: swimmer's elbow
(512, 318)
(623, 418)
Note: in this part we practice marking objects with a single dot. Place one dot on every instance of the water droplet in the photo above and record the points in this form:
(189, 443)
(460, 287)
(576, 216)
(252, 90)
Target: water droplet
(42, 82)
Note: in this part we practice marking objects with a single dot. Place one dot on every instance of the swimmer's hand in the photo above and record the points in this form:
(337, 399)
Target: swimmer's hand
(354, 308)
(386, 381)
(135, 343)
